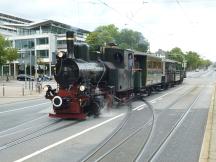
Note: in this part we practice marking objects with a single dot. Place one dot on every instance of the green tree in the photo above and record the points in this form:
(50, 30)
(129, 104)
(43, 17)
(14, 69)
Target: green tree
(125, 38)
(176, 54)
(7, 53)
(102, 35)
(132, 40)
(193, 60)
(202, 63)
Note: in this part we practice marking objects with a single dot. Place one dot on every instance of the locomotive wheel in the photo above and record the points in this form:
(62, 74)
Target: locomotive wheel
(95, 109)
(149, 91)
(92, 109)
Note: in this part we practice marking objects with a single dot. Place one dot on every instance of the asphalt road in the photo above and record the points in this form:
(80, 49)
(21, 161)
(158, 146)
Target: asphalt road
(28, 134)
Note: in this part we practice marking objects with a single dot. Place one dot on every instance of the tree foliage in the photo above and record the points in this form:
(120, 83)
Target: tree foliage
(176, 54)
(102, 35)
(193, 59)
(126, 38)
(7, 53)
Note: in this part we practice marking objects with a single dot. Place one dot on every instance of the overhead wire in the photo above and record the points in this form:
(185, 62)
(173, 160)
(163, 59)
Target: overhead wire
(117, 11)
(184, 12)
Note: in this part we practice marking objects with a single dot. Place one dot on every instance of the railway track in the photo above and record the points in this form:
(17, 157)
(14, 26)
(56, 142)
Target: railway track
(119, 137)
(118, 146)
(31, 133)
(28, 136)
(163, 142)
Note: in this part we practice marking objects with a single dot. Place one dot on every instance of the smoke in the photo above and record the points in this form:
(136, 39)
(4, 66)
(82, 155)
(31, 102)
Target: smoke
(107, 111)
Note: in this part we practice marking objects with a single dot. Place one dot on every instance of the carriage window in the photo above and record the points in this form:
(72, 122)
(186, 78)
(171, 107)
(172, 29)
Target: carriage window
(155, 65)
(149, 64)
(118, 57)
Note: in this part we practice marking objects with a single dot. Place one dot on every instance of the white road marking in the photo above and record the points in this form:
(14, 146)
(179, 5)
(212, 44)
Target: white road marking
(82, 132)
(68, 138)
(153, 101)
(27, 107)
(160, 98)
(140, 108)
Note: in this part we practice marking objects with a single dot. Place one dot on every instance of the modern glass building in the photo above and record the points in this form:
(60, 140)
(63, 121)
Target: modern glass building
(8, 19)
(37, 44)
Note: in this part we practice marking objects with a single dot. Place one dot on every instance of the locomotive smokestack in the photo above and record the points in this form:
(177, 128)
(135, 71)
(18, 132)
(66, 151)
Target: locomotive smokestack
(70, 43)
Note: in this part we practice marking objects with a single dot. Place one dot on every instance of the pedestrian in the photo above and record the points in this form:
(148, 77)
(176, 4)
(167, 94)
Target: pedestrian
(7, 78)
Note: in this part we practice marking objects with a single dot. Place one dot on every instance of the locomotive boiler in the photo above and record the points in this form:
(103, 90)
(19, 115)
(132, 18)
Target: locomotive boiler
(79, 85)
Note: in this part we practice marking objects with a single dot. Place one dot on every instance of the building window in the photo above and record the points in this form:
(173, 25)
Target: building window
(41, 41)
(24, 44)
(61, 42)
(42, 54)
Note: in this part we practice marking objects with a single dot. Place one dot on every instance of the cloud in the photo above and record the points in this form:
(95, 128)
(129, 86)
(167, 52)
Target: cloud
(166, 24)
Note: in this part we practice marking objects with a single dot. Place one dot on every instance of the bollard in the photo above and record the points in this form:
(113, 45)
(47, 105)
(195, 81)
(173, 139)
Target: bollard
(3, 90)
(23, 91)
(39, 88)
(32, 86)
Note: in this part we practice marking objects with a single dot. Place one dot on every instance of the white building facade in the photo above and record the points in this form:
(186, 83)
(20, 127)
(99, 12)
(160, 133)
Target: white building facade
(37, 44)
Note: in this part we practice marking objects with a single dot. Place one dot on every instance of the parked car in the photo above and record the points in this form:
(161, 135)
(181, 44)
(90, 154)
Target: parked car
(197, 70)
(44, 78)
(22, 77)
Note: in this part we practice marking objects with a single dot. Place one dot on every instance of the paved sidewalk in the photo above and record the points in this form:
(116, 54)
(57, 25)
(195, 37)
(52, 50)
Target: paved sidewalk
(16, 91)
(208, 151)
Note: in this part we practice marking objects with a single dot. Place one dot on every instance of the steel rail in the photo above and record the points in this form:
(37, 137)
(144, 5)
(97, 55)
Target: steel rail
(173, 130)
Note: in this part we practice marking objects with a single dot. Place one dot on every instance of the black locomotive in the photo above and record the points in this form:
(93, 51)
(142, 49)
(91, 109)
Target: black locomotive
(86, 80)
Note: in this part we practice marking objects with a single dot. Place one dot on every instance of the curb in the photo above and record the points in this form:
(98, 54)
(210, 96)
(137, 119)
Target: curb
(205, 150)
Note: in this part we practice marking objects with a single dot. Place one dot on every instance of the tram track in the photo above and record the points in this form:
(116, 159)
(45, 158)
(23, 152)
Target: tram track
(28, 136)
(36, 133)
(135, 132)
(106, 140)
(167, 137)
(126, 124)
(172, 131)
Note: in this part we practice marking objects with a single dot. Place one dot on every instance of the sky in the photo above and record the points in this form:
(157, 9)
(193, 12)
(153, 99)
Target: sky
(187, 24)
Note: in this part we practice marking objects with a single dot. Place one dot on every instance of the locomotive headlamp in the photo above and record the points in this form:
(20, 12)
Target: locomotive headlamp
(57, 101)
(60, 54)
(82, 88)
(46, 88)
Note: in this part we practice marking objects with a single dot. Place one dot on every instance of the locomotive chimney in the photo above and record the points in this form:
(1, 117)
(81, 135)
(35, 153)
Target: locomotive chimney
(70, 43)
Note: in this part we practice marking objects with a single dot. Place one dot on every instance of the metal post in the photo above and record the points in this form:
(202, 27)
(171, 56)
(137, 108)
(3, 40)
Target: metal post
(25, 76)
(32, 85)
(30, 64)
(50, 70)
(35, 63)
(14, 70)
(3, 89)
(2, 71)
(23, 91)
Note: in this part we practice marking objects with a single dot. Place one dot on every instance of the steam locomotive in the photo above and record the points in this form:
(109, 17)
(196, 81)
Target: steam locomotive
(87, 80)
